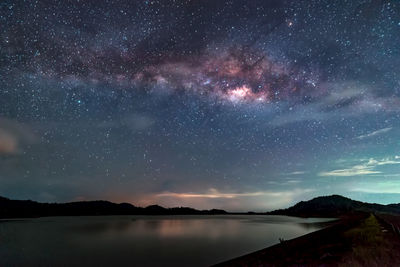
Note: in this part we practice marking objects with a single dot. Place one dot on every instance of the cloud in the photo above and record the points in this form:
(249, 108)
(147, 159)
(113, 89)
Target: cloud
(294, 173)
(366, 168)
(383, 187)
(353, 171)
(8, 142)
(213, 198)
(212, 193)
(13, 135)
(339, 100)
(375, 133)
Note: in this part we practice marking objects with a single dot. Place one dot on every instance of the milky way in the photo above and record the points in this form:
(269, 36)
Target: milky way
(213, 104)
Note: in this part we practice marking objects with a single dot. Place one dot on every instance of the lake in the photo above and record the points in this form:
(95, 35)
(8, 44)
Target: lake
(143, 240)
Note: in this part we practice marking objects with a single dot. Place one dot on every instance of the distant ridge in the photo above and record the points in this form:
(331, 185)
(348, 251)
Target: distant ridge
(323, 206)
(30, 209)
(333, 206)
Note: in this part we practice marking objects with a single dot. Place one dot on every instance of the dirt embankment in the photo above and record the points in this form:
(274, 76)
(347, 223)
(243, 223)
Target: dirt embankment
(357, 240)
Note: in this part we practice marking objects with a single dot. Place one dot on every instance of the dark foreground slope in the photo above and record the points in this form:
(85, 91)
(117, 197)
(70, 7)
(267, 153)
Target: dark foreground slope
(27, 208)
(359, 240)
(334, 206)
(366, 235)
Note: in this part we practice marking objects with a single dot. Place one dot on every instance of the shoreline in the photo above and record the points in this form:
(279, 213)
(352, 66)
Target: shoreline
(247, 258)
(332, 246)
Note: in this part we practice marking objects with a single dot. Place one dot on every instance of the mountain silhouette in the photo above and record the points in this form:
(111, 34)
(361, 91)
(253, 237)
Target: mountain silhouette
(324, 206)
(28, 208)
(334, 206)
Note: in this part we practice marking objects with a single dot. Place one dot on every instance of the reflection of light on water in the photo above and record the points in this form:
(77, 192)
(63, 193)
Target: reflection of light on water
(199, 228)
(123, 240)
(161, 227)
(206, 227)
(210, 228)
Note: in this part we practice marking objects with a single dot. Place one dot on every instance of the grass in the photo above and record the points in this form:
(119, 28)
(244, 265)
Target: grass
(369, 245)
(357, 240)
(368, 233)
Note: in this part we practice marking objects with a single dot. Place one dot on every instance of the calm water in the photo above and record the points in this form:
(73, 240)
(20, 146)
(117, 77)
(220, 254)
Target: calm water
(143, 241)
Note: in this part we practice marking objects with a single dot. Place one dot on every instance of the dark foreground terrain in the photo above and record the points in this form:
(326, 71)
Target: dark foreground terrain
(362, 239)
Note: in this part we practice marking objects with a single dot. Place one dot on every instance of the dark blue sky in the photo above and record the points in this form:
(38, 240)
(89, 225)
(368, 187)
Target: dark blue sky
(241, 105)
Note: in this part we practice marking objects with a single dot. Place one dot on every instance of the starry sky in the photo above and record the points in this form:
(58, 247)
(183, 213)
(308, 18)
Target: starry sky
(240, 105)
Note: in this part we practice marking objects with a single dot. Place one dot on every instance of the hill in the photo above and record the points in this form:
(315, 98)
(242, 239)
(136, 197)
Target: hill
(324, 206)
(28, 208)
(334, 206)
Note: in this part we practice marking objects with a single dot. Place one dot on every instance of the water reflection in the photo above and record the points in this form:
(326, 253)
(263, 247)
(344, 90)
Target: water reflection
(139, 240)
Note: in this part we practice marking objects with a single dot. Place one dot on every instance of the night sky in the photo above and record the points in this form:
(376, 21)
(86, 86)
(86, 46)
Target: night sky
(240, 105)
